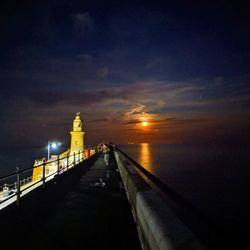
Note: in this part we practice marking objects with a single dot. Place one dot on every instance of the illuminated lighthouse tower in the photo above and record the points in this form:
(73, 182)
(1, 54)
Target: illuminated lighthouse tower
(77, 135)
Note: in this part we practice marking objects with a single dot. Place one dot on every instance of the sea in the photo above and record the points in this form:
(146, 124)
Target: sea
(214, 179)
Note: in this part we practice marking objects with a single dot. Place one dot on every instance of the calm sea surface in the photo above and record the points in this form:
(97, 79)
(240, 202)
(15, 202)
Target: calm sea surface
(214, 179)
(22, 157)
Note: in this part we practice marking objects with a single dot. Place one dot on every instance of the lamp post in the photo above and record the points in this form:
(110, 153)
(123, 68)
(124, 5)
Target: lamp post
(53, 145)
(48, 149)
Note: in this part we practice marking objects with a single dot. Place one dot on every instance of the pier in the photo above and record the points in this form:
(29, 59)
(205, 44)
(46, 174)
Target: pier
(84, 208)
(95, 205)
(95, 199)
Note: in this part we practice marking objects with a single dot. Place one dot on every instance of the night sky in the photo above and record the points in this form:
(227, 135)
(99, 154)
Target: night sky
(182, 66)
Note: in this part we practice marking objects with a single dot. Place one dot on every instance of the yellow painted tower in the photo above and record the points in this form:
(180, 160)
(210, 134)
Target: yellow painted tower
(77, 135)
(77, 144)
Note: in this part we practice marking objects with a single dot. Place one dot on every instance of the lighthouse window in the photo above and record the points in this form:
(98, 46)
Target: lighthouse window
(76, 143)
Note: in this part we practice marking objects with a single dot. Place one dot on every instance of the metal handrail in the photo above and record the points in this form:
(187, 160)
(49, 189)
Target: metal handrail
(44, 178)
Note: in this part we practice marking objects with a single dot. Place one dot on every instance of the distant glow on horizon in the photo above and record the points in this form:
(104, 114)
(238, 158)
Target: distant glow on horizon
(144, 124)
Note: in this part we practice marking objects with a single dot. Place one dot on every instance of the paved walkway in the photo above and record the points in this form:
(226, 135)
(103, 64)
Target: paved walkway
(92, 214)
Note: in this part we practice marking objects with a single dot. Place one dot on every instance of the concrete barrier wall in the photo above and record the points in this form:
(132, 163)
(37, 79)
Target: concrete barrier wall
(158, 227)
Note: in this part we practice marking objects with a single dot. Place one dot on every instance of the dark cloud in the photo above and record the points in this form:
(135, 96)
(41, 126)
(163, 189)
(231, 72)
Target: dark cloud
(101, 120)
(132, 122)
(73, 98)
(83, 24)
(103, 72)
(163, 121)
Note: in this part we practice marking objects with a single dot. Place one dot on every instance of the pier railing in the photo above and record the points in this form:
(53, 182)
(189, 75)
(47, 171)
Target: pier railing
(163, 217)
(21, 182)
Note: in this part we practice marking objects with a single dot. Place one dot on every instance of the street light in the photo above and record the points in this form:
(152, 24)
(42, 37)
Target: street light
(53, 145)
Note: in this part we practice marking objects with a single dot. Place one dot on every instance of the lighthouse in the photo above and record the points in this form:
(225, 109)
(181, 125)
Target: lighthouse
(77, 135)
(76, 146)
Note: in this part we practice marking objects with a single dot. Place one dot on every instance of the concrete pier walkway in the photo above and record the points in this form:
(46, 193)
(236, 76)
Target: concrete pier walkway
(86, 208)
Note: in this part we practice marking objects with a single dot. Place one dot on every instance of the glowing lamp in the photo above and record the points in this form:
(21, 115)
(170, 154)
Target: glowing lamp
(53, 145)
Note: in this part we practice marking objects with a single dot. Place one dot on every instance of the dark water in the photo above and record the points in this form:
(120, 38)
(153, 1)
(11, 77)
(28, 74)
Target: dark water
(216, 180)
(22, 157)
